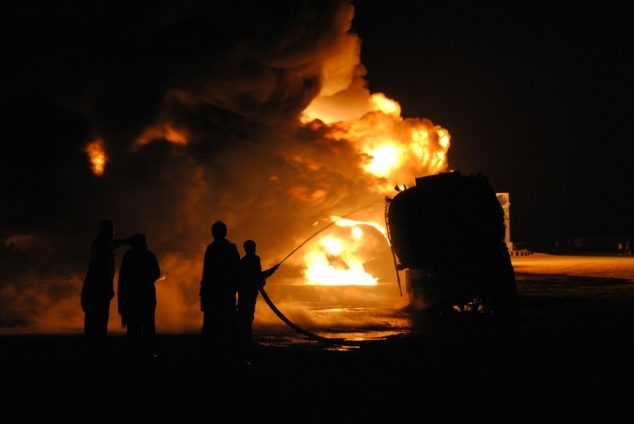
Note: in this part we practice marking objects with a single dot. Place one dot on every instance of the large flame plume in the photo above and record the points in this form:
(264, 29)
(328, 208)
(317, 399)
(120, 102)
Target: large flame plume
(276, 135)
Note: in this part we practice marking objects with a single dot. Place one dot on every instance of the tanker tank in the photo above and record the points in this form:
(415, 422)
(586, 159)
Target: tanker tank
(447, 234)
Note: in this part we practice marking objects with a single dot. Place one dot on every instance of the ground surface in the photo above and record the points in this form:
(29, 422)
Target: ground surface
(569, 360)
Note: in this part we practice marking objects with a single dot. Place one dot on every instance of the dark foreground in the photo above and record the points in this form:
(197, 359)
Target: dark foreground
(569, 360)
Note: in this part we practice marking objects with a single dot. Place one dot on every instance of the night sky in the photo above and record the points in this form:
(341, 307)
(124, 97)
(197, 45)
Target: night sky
(536, 95)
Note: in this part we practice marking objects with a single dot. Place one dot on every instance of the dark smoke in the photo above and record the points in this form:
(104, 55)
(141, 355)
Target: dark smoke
(234, 77)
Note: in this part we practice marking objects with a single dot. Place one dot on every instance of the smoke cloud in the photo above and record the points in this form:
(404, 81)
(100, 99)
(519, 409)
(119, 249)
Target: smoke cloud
(253, 113)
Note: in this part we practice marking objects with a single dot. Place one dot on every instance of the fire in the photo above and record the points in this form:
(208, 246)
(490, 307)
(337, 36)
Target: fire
(97, 156)
(385, 105)
(162, 131)
(388, 149)
(97, 153)
(333, 264)
(397, 150)
(384, 158)
(236, 141)
(338, 260)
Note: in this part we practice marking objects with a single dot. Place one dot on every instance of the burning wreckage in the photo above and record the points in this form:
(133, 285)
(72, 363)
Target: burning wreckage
(447, 235)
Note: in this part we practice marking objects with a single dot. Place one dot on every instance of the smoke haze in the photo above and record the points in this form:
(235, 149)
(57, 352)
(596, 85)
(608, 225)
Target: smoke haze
(253, 113)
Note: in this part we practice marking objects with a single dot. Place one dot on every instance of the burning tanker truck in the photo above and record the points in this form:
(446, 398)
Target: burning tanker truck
(447, 234)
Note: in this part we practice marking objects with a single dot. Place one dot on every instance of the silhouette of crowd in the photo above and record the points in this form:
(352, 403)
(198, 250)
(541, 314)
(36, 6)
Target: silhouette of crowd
(228, 294)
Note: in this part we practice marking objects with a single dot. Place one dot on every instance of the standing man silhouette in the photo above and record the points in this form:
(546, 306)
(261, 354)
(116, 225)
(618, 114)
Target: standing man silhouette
(98, 287)
(137, 297)
(253, 279)
(218, 289)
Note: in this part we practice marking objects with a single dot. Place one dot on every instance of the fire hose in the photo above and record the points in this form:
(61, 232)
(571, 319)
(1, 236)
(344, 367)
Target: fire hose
(287, 321)
(295, 327)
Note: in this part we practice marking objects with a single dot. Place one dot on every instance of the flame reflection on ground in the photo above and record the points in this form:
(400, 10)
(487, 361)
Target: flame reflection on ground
(343, 315)
(364, 314)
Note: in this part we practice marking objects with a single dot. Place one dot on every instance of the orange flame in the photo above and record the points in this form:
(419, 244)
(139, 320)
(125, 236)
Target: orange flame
(397, 150)
(164, 131)
(97, 154)
(338, 260)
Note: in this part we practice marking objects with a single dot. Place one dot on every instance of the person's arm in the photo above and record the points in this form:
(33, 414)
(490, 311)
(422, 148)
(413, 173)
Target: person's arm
(120, 242)
(267, 273)
(155, 268)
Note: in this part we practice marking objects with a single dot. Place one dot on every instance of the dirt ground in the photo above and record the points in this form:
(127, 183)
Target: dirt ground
(570, 359)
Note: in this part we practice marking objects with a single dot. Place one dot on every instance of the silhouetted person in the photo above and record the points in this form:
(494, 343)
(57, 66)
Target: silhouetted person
(253, 279)
(137, 296)
(218, 289)
(98, 289)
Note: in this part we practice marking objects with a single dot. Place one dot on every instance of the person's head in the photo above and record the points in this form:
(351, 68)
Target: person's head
(138, 241)
(249, 246)
(219, 230)
(106, 228)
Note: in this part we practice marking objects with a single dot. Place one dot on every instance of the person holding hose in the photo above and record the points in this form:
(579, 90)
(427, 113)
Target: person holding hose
(253, 279)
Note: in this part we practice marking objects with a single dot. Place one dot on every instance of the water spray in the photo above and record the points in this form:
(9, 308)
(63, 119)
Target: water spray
(313, 236)
(280, 314)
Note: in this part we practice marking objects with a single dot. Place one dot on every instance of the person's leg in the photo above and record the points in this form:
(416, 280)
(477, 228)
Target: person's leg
(89, 330)
(149, 333)
(229, 337)
(246, 314)
(101, 317)
(208, 344)
(133, 336)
